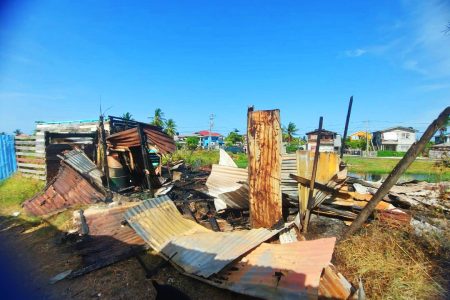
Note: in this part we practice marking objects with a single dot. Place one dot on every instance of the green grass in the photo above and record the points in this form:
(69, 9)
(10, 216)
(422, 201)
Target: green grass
(385, 165)
(197, 158)
(15, 190)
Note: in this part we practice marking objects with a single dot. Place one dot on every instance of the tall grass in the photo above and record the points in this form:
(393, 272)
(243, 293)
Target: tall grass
(15, 190)
(394, 261)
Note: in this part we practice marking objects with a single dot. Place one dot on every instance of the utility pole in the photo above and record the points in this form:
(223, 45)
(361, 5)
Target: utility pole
(211, 124)
(367, 138)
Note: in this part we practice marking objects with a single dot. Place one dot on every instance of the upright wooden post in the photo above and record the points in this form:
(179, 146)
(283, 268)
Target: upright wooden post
(143, 140)
(398, 170)
(264, 153)
(347, 120)
(105, 155)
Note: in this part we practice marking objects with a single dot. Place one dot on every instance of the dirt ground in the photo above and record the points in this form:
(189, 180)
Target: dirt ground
(31, 254)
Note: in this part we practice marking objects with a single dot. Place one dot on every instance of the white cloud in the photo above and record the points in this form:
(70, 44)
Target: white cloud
(355, 53)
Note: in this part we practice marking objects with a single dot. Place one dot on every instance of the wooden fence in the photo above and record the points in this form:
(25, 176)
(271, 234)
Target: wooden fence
(30, 155)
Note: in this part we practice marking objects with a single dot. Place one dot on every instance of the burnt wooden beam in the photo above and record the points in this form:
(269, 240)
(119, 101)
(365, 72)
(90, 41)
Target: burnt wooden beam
(347, 120)
(399, 169)
(319, 186)
(264, 153)
(105, 152)
(148, 169)
(313, 178)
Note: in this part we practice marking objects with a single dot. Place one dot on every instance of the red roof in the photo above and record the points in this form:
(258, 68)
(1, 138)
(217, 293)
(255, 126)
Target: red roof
(206, 133)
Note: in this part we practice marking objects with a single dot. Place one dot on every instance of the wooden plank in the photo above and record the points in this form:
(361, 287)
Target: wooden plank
(35, 166)
(30, 154)
(328, 166)
(25, 137)
(33, 176)
(31, 171)
(31, 160)
(23, 142)
(264, 151)
(25, 148)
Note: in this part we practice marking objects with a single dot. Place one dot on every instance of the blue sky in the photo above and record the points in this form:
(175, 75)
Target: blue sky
(194, 58)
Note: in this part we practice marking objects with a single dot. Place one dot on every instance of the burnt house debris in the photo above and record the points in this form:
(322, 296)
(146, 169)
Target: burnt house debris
(245, 230)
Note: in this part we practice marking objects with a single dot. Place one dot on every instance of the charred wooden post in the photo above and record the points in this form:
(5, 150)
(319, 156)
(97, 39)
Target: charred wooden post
(313, 178)
(347, 120)
(105, 151)
(145, 159)
(401, 167)
(264, 153)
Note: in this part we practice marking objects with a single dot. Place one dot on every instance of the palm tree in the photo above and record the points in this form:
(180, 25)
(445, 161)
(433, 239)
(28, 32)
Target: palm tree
(290, 131)
(158, 118)
(127, 116)
(171, 127)
(17, 132)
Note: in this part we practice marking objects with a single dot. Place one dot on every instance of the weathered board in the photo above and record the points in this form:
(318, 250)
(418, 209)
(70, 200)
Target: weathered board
(264, 151)
(30, 151)
(327, 167)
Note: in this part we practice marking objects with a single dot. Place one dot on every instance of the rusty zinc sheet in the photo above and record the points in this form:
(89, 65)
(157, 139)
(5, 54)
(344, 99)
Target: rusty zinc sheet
(78, 160)
(66, 189)
(333, 285)
(228, 185)
(264, 166)
(109, 237)
(197, 250)
(281, 271)
(130, 138)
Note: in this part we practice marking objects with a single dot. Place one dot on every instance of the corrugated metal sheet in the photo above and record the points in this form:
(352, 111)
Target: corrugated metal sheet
(108, 236)
(264, 165)
(130, 138)
(80, 162)
(66, 189)
(289, 166)
(333, 285)
(229, 186)
(195, 249)
(281, 271)
(8, 163)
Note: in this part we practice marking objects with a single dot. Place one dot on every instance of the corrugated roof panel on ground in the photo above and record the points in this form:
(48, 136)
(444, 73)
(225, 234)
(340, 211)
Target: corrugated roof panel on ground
(197, 250)
(281, 271)
(68, 188)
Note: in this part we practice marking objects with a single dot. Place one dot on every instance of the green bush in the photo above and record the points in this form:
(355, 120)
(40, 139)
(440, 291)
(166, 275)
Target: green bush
(389, 153)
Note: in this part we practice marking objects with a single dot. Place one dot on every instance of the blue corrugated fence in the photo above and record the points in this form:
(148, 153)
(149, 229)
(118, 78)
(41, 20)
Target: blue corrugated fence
(8, 163)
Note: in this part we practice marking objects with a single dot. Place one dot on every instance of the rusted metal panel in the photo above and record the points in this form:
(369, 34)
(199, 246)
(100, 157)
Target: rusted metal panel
(78, 160)
(130, 138)
(197, 250)
(66, 189)
(333, 285)
(108, 236)
(229, 187)
(281, 271)
(264, 151)
(328, 166)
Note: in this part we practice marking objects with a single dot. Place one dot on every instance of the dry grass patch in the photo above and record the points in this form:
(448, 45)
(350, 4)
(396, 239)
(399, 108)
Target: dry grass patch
(393, 263)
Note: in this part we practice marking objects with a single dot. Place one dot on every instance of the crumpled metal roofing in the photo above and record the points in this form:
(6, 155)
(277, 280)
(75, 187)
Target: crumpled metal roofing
(130, 138)
(195, 249)
(66, 189)
(229, 185)
(78, 160)
(281, 271)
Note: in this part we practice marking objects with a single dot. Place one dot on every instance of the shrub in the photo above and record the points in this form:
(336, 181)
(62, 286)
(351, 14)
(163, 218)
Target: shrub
(389, 153)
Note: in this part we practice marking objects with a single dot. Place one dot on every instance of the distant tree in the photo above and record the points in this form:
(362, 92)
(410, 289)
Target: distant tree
(192, 142)
(171, 127)
(158, 118)
(447, 29)
(128, 116)
(18, 132)
(233, 138)
(236, 130)
(289, 132)
(2, 133)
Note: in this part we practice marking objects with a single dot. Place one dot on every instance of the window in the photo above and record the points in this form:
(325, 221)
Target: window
(405, 135)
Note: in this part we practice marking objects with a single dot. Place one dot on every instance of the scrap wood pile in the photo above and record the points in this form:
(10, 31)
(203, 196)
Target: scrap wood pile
(237, 229)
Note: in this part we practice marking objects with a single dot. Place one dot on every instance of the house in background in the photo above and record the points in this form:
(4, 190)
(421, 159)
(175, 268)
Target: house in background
(216, 139)
(360, 135)
(397, 138)
(330, 141)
